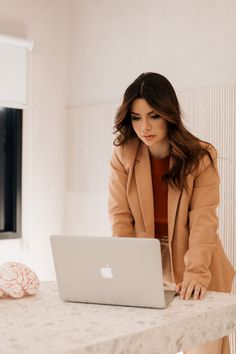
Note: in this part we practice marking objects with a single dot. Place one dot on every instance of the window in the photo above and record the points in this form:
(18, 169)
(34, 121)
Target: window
(10, 172)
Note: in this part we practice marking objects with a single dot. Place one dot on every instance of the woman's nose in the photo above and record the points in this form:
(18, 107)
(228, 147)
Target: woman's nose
(145, 126)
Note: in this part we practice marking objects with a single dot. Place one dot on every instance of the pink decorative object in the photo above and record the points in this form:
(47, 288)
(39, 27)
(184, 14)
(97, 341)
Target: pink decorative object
(17, 280)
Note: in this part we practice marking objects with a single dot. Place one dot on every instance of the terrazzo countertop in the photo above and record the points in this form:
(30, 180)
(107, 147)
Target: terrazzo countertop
(44, 324)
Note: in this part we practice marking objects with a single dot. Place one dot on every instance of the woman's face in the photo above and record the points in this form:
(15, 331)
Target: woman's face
(149, 126)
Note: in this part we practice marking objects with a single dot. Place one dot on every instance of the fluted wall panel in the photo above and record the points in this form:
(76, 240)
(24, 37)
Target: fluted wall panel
(210, 114)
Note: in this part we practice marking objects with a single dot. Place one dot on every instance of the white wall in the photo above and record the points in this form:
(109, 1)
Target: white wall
(112, 42)
(89, 141)
(44, 125)
(108, 43)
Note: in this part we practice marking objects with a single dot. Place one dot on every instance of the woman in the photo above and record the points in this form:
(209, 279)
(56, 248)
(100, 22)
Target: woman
(164, 183)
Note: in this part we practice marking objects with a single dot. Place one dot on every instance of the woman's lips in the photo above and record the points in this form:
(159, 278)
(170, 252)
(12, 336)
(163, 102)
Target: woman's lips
(148, 137)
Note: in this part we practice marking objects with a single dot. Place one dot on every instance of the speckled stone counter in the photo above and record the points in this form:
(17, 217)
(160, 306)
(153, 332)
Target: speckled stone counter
(43, 324)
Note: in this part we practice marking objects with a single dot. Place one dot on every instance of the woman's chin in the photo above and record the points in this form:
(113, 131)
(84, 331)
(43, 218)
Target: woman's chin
(150, 142)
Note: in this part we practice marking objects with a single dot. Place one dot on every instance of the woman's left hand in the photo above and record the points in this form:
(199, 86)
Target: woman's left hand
(187, 288)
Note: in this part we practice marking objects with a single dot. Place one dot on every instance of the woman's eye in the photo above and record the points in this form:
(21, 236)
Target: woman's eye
(137, 118)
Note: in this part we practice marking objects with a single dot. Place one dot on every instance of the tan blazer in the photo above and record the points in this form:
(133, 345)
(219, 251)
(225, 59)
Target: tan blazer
(195, 249)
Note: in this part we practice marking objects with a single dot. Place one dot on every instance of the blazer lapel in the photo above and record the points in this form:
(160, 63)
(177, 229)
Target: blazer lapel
(144, 186)
(143, 178)
(172, 205)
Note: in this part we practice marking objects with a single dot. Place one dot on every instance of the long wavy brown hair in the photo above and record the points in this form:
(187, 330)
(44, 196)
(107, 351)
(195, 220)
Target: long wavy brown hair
(185, 148)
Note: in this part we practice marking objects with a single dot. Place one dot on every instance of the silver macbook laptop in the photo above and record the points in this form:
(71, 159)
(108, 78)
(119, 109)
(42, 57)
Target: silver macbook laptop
(123, 271)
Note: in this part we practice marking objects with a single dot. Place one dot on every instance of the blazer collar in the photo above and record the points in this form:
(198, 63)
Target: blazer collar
(143, 178)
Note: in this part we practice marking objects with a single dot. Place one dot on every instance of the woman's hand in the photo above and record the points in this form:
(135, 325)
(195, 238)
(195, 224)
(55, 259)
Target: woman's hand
(187, 288)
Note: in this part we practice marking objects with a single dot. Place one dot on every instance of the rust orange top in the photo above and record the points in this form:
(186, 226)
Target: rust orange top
(160, 194)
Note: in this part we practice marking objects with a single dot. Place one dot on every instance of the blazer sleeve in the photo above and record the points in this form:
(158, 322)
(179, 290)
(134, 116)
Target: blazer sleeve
(121, 218)
(203, 221)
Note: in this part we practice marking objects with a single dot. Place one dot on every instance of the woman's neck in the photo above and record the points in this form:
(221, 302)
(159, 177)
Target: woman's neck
(160, 150)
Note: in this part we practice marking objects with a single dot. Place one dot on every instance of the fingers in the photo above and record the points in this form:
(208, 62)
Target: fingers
(197, 291)
(187, 289)
(203, 293)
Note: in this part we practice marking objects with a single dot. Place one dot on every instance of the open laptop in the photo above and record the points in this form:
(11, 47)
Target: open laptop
(123, 271)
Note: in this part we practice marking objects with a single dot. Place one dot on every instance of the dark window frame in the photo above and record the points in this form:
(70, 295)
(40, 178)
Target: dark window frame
(14, 149)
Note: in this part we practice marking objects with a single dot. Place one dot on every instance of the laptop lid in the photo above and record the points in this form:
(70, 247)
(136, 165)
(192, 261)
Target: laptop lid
(123, 271)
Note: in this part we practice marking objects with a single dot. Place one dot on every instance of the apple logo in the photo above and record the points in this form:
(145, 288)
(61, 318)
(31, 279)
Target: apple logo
(106, 272)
